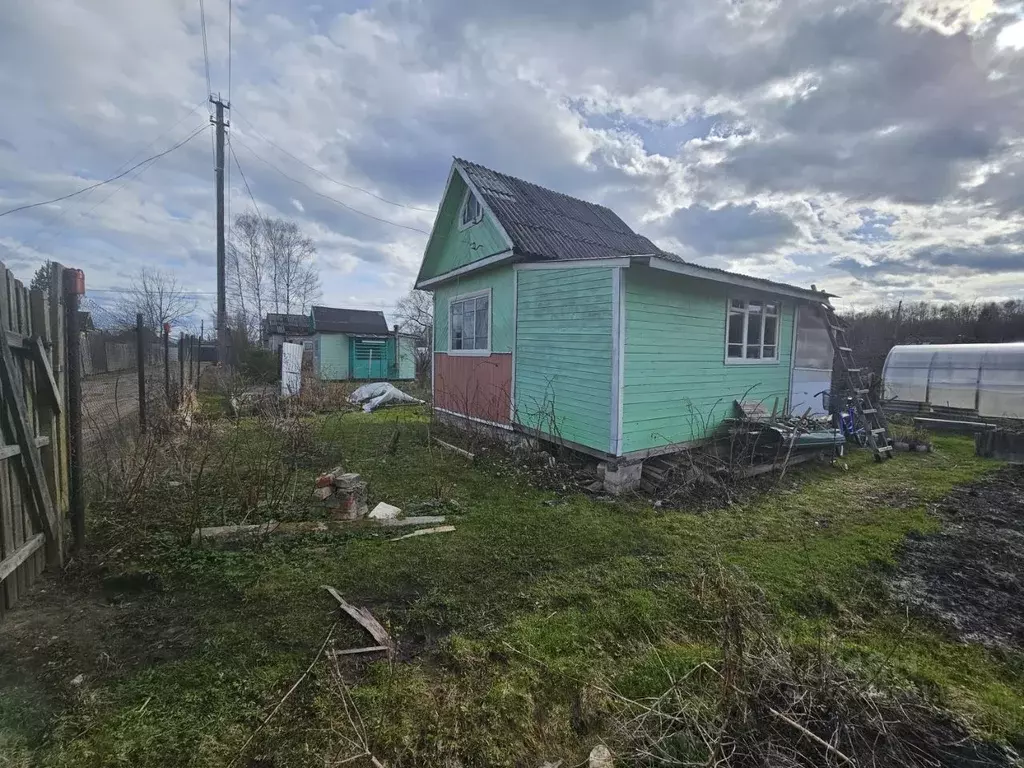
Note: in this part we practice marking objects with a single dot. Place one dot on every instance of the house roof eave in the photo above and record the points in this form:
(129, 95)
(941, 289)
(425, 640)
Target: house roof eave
(721, 276)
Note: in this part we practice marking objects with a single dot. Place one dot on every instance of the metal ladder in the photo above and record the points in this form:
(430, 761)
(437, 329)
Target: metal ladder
(876, 428)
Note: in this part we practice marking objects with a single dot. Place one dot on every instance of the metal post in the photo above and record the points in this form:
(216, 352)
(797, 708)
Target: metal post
(140, 363)
(167, 363)
(181, 367)
(74, 287)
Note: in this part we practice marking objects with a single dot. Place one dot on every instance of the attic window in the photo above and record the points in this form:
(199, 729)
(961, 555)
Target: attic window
(752, 333)
(472, 211)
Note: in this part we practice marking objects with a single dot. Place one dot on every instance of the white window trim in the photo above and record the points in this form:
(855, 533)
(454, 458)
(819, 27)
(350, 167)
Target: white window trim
(479, 205)
(778, 333)
(490, 314)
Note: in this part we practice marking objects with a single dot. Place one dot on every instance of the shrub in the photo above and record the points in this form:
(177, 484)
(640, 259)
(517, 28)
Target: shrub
(258, 365)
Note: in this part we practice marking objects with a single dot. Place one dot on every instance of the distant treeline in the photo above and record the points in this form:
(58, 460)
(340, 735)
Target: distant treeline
(873, 333)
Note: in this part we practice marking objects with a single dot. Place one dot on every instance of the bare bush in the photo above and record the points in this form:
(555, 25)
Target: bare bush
(764, 702)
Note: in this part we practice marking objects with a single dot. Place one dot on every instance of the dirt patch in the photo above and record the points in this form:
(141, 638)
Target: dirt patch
(102, 632)
(970, 575)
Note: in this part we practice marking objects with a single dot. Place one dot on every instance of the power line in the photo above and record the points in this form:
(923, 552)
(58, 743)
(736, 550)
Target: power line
(206, 50)
(129, 180)
(181, 143)
(333, 181)
(328, 197)
(61, 219)
(247, 189)
(133, 290)
(229, 51)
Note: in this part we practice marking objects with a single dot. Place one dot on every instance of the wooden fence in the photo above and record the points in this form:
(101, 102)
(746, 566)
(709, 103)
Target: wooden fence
(35, 452)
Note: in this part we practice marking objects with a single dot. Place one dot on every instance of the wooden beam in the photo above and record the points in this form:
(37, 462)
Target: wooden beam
(44, 365)
(26, 550)
(7, 451)
(40, 509)
(18, 342)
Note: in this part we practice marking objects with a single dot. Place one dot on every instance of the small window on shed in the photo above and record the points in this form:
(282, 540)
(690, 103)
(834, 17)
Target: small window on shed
(752, 331)
(472, 211)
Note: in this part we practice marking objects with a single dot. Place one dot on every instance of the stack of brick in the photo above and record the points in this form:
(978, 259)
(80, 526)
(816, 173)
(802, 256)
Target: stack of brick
(344, 493)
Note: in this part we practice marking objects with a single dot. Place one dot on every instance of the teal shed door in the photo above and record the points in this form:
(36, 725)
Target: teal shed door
(369, 359)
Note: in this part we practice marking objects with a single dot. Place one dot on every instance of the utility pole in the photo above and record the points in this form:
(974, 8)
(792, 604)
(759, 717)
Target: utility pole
(222, 304)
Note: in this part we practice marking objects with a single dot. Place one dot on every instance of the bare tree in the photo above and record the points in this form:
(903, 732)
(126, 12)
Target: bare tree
(270, 268)
(246, 271)
(415, 314)
(291, 262)
(160, 299)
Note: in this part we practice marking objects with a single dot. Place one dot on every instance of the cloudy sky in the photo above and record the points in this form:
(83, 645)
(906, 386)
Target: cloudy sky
(875, 149)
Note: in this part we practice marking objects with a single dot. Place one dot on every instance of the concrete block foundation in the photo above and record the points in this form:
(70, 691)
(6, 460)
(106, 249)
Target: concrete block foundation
(620, 478)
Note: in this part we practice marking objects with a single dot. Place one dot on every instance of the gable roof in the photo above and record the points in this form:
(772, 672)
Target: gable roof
(545, 224)
(287, 324)
(356, 321)
(540, 223)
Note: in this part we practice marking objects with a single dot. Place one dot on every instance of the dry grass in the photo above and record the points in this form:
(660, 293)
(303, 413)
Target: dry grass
(763, 701)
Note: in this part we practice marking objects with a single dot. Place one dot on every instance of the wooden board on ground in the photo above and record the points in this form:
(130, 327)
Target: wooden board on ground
(364, 618)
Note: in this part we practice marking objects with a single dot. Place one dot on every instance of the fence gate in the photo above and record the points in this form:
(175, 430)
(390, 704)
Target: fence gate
(34, 442)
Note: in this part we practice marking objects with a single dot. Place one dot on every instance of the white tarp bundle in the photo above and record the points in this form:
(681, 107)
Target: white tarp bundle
(375, 395)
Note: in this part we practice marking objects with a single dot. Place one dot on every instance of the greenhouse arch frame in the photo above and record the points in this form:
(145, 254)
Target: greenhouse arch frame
(983, 379)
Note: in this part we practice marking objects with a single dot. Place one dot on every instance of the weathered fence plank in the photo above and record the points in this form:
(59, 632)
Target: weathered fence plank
(33, 441)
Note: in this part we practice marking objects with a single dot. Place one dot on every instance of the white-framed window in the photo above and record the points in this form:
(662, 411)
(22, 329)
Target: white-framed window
(469, 324)
(752, 331)
(472, 212)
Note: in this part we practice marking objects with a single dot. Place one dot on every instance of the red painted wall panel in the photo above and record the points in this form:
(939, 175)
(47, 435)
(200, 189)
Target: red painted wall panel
(474, 385)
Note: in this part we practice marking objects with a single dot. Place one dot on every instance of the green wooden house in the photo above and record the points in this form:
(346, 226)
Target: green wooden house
(554, 318)
(356, 344)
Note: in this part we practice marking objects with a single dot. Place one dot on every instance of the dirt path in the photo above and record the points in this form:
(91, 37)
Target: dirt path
(970, 575)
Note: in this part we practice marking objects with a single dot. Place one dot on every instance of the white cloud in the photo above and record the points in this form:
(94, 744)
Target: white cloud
(794, 140)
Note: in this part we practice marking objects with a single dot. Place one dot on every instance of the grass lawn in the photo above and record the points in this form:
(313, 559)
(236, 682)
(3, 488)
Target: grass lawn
(512, 631)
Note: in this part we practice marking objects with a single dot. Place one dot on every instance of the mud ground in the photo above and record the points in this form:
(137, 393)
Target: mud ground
(970, 575)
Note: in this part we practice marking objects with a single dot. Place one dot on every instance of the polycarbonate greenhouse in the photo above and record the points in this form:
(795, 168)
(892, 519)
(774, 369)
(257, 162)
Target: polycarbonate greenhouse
(986, 379)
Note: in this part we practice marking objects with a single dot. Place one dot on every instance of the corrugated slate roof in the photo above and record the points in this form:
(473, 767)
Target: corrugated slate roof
(289, 324)
(550, 225)
(357, 321)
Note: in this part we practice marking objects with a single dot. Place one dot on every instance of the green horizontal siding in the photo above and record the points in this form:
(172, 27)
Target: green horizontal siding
(563, 359)
(677, 386)
(332, 359)
(500, 281)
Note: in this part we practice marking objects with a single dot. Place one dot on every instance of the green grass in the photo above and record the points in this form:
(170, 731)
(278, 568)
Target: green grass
(501, 625)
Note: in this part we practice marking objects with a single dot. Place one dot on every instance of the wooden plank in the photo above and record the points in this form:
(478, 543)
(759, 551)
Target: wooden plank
(34, 565)
(41, 510)
(17, 518)
(18, 341)
(55, 329)
(7, 451)
(52, 390)
(23, 553)
(366, 649)
(50, 404)
(9, 593)
(364, 618)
